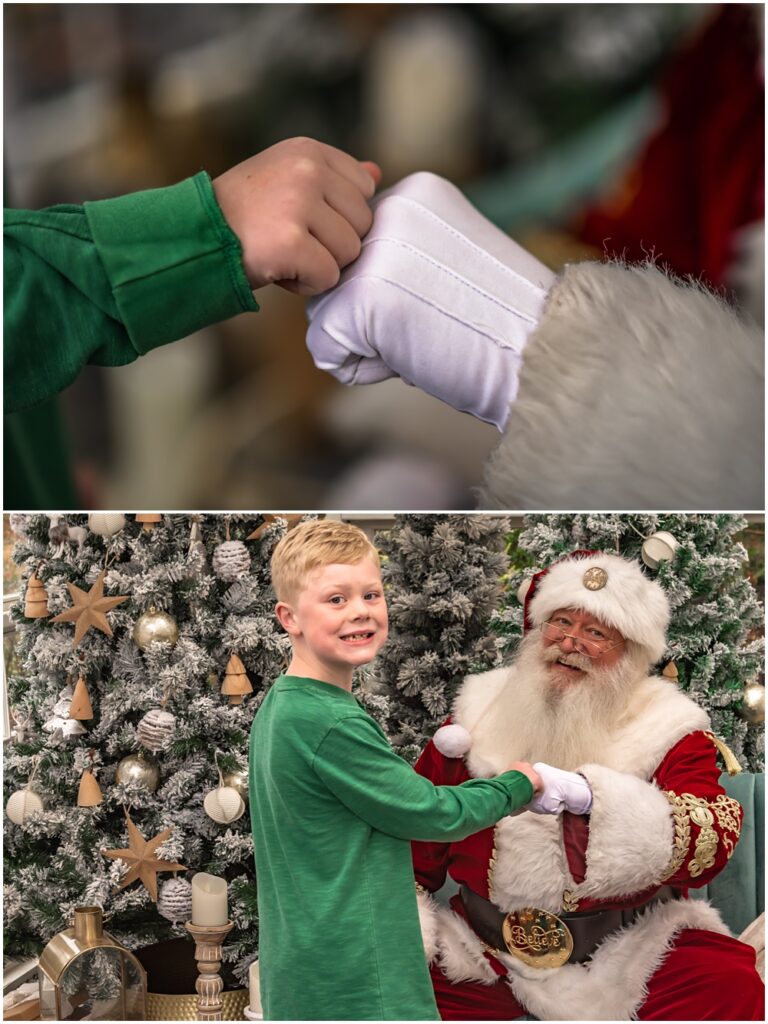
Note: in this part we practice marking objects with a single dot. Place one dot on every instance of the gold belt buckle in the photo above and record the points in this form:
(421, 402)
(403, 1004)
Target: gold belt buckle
(538, 938)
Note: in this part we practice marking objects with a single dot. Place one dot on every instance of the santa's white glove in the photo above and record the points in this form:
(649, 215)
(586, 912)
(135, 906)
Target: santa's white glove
(563, 791)
(438, 296)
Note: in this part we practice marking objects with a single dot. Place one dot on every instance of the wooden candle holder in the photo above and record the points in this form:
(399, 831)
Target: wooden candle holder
(209, 985)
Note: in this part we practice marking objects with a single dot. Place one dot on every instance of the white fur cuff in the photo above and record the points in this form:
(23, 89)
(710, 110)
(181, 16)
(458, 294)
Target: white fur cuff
(631, 835)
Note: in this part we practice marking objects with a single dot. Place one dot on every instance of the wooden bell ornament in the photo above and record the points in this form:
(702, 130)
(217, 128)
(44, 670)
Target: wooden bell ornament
(149, 520)
(81, 708)
(89, 794)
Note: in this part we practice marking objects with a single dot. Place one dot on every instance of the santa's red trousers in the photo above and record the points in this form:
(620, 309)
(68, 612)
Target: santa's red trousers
(705, 976)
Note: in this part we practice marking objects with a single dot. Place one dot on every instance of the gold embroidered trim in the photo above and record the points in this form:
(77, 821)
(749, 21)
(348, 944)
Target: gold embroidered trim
(727, 813)
(420, 888)
(688, 808)
(682, 833)
(570, 903)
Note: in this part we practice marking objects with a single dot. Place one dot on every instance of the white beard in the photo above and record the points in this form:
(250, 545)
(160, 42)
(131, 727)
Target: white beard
(570, 725)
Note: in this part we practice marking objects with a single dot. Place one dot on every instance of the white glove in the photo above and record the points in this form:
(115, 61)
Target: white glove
(563, 791)
(438, 296)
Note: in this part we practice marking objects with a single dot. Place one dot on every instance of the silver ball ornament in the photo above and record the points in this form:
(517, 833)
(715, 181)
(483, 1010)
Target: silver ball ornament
(155, 626)
(138, 768)
(231, 560)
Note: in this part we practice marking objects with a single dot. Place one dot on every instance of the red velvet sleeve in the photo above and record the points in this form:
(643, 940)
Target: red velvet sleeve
(430, 860)
(707, 821)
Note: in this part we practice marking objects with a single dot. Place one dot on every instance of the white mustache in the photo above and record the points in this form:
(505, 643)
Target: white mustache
(552, 654)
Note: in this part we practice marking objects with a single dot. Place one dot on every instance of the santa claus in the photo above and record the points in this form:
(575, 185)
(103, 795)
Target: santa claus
(585, 916)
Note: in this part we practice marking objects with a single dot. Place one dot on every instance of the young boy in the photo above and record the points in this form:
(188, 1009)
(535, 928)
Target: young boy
(333, 807)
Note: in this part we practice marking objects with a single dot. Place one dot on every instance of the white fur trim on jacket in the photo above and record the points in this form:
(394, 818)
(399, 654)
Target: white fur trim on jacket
(428, 907)
(631, 835)
(628, 373)
(630, 601)
(613, 985)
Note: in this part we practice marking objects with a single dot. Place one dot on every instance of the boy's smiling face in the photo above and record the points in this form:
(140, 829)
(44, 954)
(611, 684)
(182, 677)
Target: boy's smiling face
(338, 621)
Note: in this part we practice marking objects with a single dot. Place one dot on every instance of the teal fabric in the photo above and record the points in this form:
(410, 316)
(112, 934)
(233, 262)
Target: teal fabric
(738, 892)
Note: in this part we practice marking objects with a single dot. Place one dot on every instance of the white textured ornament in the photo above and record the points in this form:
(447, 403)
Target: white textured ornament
(452, 740)
(106, 524)
(174, 901)
(231, 560)
(22, 804)
(224, 805)
(659, 547)
(156, 728)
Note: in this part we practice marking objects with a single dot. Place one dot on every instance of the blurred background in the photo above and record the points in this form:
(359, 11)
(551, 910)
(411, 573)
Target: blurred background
(584, 130)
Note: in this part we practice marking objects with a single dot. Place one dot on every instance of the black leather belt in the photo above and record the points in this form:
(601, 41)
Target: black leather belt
(587, 929)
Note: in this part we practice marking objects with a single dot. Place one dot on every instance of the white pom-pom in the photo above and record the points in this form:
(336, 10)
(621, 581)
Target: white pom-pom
(452, 740)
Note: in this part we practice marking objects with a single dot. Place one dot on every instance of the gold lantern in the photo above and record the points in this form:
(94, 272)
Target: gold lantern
(85, 973)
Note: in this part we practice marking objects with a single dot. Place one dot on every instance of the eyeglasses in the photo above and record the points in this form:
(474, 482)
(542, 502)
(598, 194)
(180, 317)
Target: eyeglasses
(592, 648)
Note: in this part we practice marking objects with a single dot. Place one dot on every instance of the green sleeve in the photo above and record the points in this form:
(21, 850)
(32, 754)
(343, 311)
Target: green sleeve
(111, 280)
(357, 764)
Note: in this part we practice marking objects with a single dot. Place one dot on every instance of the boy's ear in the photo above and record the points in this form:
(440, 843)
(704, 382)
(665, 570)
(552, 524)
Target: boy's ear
(287, 618)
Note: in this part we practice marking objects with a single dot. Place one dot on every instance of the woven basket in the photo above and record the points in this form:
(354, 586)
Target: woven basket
(163, 1007)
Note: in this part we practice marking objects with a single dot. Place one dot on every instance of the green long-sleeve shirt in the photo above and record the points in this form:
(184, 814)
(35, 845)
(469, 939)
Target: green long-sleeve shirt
(104, 283)
(333, 809)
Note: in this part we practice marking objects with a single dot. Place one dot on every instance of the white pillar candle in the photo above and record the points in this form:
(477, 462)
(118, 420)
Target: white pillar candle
(209, 900)
(253, 987)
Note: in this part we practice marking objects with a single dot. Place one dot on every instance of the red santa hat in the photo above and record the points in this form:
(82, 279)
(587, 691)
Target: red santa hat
(613, 589)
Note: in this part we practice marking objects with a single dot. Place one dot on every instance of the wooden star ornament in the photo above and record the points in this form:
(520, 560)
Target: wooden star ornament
(140, 856)
(89, 609)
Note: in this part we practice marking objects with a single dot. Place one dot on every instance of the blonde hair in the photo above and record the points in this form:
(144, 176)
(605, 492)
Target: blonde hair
(313, 545)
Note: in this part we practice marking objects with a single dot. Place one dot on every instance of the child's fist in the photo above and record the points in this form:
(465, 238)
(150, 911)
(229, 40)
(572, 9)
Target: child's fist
(530, 773)
(299, 209)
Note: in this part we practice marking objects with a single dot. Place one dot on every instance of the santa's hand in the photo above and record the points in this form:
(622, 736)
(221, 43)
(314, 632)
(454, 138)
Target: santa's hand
(438, 296)
(563, 791)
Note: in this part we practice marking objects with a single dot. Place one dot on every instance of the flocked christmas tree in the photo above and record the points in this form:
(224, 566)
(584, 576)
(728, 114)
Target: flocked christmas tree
(716, 645)
(443, 579)
(138, 705)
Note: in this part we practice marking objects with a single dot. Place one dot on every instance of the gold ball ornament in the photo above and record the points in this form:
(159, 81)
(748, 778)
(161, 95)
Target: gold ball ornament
(138, 768)
(238, 781)
(155, 626)
(752, 708)
(106, 524)
(22, 804)
(224, 805)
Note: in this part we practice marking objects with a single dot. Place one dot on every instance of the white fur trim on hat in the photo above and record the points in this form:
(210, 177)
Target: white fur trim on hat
(452, 740)
(629, 601)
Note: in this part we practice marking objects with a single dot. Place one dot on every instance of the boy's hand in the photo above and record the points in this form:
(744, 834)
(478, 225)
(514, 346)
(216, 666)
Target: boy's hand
(299, 209)
(562, 791)
(530, 772)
